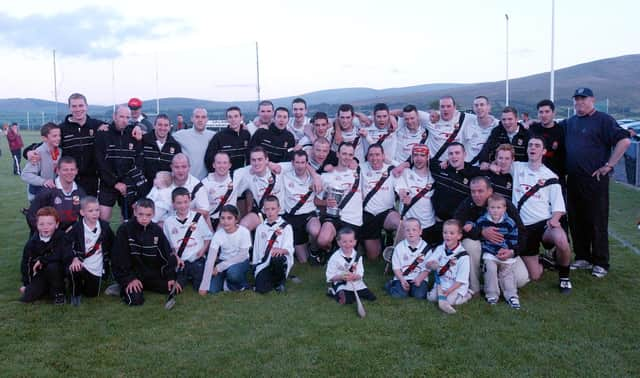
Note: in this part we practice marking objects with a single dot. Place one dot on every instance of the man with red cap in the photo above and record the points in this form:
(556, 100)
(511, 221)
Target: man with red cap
(138, 118)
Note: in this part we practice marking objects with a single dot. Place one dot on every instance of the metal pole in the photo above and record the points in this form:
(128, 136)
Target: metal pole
(157, 91)
(55, 84)
(258, 72)
(553, 36)
(113, 84)
(28, 122)
(506, 16)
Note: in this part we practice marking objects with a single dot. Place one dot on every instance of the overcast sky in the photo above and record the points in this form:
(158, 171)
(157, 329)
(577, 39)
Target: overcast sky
(113, 50)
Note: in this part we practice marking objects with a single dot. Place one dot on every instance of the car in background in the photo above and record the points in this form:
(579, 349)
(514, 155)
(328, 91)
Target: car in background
(625, 121)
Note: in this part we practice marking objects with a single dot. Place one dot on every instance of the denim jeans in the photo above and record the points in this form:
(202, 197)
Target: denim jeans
(235, 276)
(394, 288)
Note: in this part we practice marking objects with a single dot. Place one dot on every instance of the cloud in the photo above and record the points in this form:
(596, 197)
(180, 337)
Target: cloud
(97, 33)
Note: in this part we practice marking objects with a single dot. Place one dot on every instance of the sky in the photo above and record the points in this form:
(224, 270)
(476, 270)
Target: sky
(111, 51)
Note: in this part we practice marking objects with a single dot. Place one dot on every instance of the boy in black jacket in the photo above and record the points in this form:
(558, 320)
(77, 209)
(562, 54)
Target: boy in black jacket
(91, 240)
(43, 259)
(142, 258)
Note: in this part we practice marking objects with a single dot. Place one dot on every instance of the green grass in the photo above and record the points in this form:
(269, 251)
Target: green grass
(592, 332)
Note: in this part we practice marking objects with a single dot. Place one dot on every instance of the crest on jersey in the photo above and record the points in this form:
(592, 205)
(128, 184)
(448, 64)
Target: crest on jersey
(385, 174)
(57, 201)
(75, 200)
(90, 132)
(230, 185)
(554, 146)
(285, 144)
(508, 185)
(270, 180)
(172, 150)
(155, 240)
(193, 226)
(131, 146)
(541, 182)
(246, 143)
(520, 141)
(174, 231)
(278, 231)
(456, 126)
(465, 181)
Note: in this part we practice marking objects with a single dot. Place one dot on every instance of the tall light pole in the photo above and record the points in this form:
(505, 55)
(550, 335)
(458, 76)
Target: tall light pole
(506, 17)
(553, 32)
(258, 73)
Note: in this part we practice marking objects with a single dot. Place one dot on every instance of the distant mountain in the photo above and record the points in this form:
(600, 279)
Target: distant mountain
(617, 79)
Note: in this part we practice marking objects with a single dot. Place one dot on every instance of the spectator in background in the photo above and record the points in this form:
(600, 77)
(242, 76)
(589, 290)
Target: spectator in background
(180, 123)
(15, 146)
(138, 118)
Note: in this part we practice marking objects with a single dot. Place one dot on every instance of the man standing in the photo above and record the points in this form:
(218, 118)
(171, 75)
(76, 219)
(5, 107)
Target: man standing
(194, 142)
(447, 129)
(276, 140)
(345, 130)
(510, 133)
(476, 134)
(553, 136)
(382, 131)
(589, 137)
(15, 146)
(298, 123)
(138, 117)
(78, 141)
(234, 140)
(410, 133)
(264, 118)
(159, 148)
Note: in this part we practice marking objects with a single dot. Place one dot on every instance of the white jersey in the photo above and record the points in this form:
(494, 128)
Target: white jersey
(475, 136)
(295, 188)
(298, 133)
(374, 134)
(175, 230)
(544, 202)
(229, 249)
(440, 131)
(405, 140)
(352, 137)
(339, 264)
(216, 191)
(423, 119)
(385, 198)
(284, 240)
(200, 201)
(423, 209)
(352, 212)
(257, 185)
(404, 255)
(458, 272)
(163, 206)
(94, 263)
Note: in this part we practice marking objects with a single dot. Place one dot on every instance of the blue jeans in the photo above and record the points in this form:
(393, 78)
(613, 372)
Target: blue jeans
(235, 275)
(395, 290)
(192, 271)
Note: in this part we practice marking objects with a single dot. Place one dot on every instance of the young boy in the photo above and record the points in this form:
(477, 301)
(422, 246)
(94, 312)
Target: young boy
(142, 257)
(451, 263)
(345, 270)
(499, 257)
(409, 264)
(91, 240)
(42, 260)
(43, 173)
(189, 236)
(272, 249)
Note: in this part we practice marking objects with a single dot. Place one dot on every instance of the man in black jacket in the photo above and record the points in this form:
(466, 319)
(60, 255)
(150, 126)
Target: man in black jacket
(509, 132)
(234, 140)
(468, 212)
(277, 141)
(159, 148)
(120, 162)
(142, 258)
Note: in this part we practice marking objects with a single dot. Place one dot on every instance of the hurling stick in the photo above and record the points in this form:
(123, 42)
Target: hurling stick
(359, 306)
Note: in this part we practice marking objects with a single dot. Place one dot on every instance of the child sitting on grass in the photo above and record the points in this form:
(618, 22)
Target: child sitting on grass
(345, 270)
(451, 264)
(43, 259)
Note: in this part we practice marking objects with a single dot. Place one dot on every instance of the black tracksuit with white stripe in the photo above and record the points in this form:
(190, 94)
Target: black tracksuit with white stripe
(236, 144)
(79, 142)
(499, 136)
(275, 141)
(117, 153)
(451, 187)
(155, 159)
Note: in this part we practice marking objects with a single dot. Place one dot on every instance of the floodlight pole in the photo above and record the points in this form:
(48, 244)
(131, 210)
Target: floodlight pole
(506, 16)
(55, 84)
(553, 36)
(258, 72)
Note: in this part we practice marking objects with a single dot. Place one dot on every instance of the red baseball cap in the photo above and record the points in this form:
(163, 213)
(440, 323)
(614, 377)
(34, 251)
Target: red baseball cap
(134, 103)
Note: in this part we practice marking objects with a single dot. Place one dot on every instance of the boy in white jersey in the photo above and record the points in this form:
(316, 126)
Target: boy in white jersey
(342, 198)
(300, 209)
(538, 196)
(272, 249)
(91, 241)
(415, 189)
(219, 187)
(378, 200)
(451, 263)
(189, 237)
(345, 271)
(409, 264)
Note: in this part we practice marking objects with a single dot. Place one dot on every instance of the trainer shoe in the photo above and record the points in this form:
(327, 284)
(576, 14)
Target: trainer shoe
(492, 300)
(514, 302)
(113, 290)
(76, 300)
(565, 286)
(599, 271)
(581, 264)
(295, 279)
(281, 289)
(59, 299)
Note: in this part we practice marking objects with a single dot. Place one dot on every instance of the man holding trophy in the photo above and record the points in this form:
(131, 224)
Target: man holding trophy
(342, 198)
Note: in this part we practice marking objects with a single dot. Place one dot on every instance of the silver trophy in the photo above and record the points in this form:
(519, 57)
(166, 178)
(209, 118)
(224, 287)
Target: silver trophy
(336, 194)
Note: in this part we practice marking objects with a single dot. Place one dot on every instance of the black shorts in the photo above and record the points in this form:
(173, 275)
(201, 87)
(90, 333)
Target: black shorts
(109, 196)
(433, 234)
(338, 224)
(298, 223)
(534, 238)
(373, 225)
